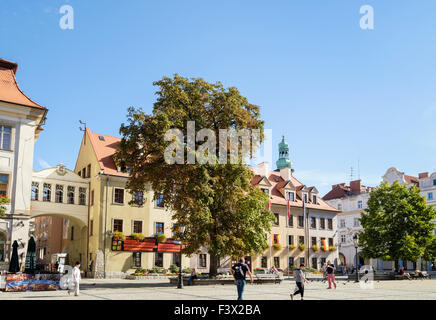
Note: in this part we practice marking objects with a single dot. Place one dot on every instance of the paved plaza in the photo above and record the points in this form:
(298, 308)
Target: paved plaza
(112, 289)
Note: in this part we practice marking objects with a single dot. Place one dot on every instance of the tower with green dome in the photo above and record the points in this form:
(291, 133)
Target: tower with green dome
(283, 161)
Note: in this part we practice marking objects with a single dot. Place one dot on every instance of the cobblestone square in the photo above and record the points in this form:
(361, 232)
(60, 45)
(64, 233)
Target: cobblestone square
(91, 289)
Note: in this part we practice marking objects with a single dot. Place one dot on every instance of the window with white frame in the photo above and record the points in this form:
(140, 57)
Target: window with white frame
(356, 222)
(202, 260)
(35, 191)
(290, 196)
(70, 194)
(59, 196)
(119, 195)
(342, 223)
(340, 206)
(46, 193)
(430, 196)
(137, 226)
(82, 196)
(343, 238)
(138, 198)
(159, 200)
(5, 137)
(359, 204)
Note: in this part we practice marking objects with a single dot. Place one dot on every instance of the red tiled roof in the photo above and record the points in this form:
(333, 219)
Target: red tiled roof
(277, 197)
(9, 89)
(104, 151)
(411, 179)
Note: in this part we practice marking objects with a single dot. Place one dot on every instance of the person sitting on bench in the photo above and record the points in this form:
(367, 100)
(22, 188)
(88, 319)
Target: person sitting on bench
(192, 277)
(404, 273)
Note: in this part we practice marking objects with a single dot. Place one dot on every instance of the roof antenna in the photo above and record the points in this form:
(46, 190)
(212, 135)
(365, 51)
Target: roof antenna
(358, 169)
(83, 129)
(351, 173)
(84, 124)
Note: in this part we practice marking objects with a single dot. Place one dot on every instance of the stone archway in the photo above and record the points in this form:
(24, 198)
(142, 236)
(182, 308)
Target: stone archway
(342, 259)
(60, 233)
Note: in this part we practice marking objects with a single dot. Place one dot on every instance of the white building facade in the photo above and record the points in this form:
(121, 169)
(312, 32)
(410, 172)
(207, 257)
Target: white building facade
(351, 201)
(20, 124)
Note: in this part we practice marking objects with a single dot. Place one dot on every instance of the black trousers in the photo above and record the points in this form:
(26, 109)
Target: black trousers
(300, 290)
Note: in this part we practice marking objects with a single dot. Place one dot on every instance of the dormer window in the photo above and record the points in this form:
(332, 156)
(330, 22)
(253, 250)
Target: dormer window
(265, 190)
(101, 138)
(314, 199)
(290, 196)
(305, 198)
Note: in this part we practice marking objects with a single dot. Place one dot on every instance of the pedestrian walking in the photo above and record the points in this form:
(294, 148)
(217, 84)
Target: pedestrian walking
(300, 279)
(331, 274)
(76, 279)
(239, 272)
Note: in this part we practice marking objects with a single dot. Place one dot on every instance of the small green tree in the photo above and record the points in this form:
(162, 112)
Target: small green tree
(398, 224)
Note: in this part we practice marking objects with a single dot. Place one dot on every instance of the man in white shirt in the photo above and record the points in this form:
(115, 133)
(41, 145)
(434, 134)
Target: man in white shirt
(76, 279)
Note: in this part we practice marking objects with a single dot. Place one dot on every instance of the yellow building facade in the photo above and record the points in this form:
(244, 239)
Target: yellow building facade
(110, 211)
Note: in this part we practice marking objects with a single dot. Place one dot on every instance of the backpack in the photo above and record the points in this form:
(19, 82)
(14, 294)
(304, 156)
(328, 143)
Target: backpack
(239, 272)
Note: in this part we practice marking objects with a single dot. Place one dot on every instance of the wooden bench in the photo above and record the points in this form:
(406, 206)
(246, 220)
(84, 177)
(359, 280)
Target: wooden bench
(267, 278)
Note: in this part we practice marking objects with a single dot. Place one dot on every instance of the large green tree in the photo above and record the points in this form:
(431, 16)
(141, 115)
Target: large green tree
(398, 224)
(216, 201)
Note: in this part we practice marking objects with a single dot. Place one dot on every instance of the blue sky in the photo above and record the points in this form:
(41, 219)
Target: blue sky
(338, 93)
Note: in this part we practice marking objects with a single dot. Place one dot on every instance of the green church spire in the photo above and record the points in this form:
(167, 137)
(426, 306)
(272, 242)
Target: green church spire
(283, 161)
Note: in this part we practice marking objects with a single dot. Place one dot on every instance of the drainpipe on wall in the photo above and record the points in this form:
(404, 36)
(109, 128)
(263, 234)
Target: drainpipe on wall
(105, 228)
(87, 236)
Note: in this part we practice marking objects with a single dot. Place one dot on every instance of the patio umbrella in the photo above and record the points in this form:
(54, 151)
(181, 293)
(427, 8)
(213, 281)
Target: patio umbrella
(14, 266)
(31, 256)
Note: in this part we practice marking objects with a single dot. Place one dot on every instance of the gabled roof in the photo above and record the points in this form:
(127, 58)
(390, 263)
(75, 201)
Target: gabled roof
(257, 179)
(277, 198)
(104, 151)
(9, 89)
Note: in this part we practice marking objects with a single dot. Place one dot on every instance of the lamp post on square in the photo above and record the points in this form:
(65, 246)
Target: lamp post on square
(182, 231)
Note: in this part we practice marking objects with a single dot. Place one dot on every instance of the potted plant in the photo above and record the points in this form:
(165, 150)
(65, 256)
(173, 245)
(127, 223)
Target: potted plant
(292, 246)
(315, 248)
(301, 246)
(161, 237)
(174, 268)
(332, 248)
(137, 236)
(118, 235)
(3, 201)
(277, 246)
(324, 249)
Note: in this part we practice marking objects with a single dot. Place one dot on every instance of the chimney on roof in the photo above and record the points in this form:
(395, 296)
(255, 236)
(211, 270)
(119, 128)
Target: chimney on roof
(263, 169)
(355, 186)
(286, 173)
(8, 65)
(423, 175)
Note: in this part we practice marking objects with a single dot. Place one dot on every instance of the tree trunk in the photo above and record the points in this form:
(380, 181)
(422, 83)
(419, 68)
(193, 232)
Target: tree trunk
(213, 269)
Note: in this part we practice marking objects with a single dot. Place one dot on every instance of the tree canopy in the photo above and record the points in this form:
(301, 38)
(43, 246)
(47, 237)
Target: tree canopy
(398, 224)
(216, 201)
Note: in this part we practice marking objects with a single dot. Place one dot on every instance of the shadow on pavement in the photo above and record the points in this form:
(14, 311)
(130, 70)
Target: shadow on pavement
(86, 286)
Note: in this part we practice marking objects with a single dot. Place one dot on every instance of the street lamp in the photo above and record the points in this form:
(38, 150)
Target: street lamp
(356, 245)
(182, 231)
